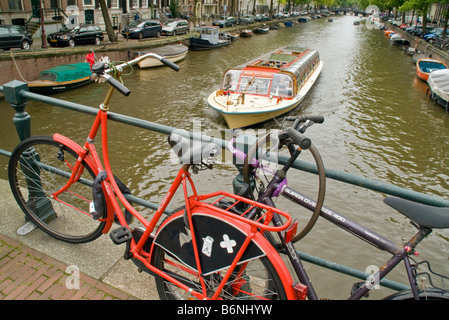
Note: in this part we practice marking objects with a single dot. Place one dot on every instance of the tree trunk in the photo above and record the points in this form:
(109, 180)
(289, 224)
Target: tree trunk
(107, 21)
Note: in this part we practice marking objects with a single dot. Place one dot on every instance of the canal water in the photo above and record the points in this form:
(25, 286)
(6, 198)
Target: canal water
(379, 124)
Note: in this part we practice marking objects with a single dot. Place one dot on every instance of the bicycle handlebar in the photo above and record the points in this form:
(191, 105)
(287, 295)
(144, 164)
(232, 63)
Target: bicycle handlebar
(301, 140)
(101, 69)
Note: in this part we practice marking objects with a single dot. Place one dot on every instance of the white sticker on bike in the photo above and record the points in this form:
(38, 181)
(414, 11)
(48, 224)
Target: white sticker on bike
(207, 246)
(228, 244)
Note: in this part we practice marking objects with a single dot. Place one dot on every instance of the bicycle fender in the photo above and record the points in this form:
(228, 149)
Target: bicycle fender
(218, 241)
(90, 162)
(77, 148)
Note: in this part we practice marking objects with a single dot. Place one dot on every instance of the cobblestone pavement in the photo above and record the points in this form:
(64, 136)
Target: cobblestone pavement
(27, 274)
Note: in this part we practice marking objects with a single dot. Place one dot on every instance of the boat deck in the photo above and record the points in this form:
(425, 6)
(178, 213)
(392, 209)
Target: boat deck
(278, 59)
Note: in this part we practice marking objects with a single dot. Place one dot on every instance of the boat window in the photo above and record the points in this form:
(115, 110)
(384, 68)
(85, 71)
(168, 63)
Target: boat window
(231, 80)
(254, 85)
(282, 86)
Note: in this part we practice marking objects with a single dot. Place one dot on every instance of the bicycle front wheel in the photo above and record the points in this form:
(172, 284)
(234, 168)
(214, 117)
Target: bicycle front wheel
(41, 166)
(255, 280)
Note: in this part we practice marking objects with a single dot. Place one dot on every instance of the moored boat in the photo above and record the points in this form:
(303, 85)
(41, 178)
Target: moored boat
(266, 87)
(209, 39)
(439, 87)
(246, 33)
(61, 78)
(397, 39)
(426, 65)
(174, 53)
(262, 29)
(231, 36)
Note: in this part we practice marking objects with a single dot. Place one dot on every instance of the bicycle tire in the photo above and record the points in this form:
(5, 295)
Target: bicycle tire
(262, 283)
(39, 166)
(321, 183)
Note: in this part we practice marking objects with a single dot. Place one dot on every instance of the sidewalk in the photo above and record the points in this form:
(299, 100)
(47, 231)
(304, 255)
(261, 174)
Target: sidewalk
(38, 267)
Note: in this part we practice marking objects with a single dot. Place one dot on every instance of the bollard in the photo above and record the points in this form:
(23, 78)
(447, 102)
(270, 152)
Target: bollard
(37, 200)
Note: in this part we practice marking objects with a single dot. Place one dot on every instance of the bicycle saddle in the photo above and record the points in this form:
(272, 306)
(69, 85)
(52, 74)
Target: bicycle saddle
(192, 151)
(424, 215)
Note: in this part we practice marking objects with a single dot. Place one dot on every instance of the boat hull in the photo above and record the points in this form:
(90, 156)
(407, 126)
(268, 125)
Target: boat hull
(197, 44)
(258, 109)
(173, 53)
(50, 87)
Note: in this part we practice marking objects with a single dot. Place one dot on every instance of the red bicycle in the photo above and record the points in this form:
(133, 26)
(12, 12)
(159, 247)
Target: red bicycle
(203, 251)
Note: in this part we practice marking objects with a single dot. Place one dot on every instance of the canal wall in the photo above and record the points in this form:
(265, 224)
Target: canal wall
(423, 46)
(26, 65)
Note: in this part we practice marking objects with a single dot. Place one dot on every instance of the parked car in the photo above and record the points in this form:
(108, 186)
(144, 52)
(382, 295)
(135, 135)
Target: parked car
(82, 34)
(247, 19)
(143, 29)
(12, 36)
(436, 33)
(224, 22)
(174, 27)
(259, 18)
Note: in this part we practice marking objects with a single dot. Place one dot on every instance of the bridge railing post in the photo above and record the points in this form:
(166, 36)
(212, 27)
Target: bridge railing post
(37, 199)
(22, 120)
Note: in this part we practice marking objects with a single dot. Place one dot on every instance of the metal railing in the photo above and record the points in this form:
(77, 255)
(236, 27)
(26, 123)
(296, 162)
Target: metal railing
(17, 94)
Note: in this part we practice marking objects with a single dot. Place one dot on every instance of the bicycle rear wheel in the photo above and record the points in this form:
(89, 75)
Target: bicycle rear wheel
(257, 281)
(41, 166)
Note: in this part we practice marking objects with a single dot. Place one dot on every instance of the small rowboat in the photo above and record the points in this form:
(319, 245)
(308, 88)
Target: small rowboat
(246, 33)
(174, 53)
(425, 66)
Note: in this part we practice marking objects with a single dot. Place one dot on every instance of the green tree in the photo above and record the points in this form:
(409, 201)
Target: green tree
(420, 6)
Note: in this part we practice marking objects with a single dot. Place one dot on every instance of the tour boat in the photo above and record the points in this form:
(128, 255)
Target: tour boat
(61, 78)
(209, 39)
(173, 52)
(425, 66)
(266, 87)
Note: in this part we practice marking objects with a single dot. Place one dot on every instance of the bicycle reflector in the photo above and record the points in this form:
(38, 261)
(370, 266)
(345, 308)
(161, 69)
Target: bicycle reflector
(291, 231)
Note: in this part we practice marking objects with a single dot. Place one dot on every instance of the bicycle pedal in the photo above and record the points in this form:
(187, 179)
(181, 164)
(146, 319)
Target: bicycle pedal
(120, 235)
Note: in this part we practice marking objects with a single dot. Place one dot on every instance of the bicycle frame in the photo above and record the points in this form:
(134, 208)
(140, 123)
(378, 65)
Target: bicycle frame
(279, 186)
(400, 253)
(114, 197)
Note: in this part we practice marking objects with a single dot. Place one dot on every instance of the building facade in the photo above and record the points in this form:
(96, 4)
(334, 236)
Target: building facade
(59, 13)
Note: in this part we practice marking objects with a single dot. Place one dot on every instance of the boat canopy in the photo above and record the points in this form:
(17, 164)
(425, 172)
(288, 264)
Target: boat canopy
(279, 73)
(439, 83)
(66, 72)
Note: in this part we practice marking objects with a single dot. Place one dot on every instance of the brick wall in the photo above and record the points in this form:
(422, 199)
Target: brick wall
(28, 68)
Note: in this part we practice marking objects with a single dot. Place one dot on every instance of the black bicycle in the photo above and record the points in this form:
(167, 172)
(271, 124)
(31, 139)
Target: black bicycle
(423, 217)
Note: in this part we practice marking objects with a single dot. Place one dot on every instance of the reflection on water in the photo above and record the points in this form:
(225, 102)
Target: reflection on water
(379, 124)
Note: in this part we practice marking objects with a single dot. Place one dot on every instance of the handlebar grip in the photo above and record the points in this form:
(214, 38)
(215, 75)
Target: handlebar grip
(170, 64)
(316, 119)
(301, 140)
(117, 85)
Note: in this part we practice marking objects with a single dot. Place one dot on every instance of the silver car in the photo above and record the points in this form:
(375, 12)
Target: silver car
(174, 27)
